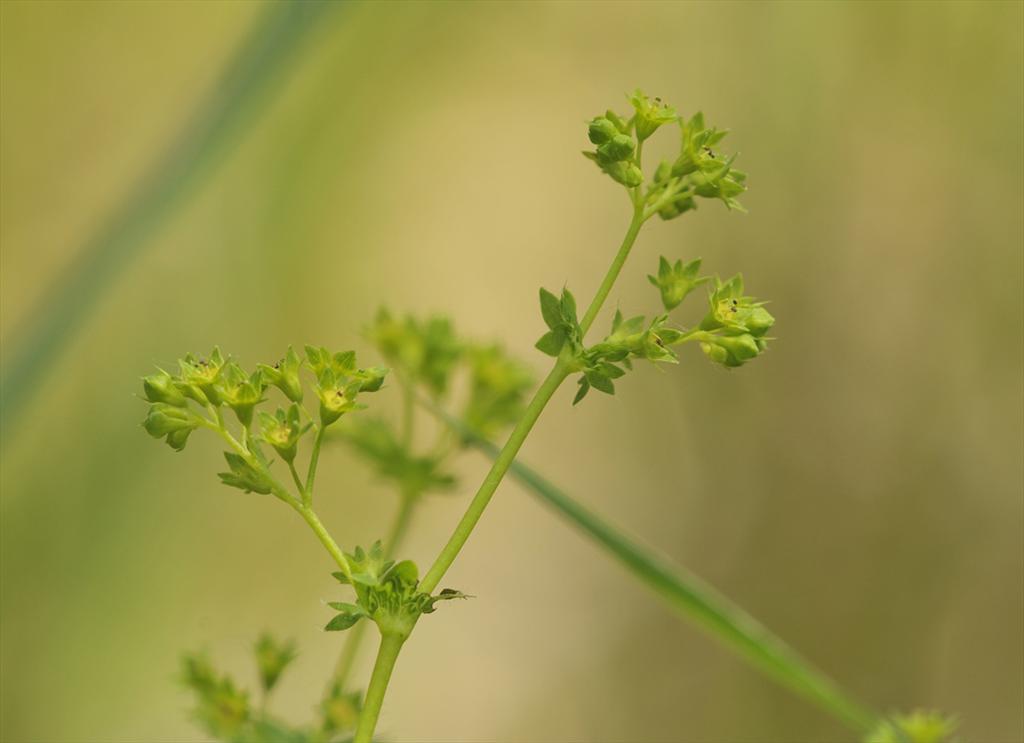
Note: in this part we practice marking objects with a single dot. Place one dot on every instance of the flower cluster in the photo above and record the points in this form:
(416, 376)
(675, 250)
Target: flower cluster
(386, 593)
(734, 330)
(205, 386)
(697, 171)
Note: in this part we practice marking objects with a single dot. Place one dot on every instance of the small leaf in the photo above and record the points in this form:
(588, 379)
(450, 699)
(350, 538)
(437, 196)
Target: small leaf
(601, 383)
(550, 309)
(582, 391)
(342, 622)
(551, 343)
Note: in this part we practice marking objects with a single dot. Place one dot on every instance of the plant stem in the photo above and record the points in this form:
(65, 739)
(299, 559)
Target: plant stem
(390, 645)
(561, 370)
(613, 272)
(325, 538)
(314, 460)
(408, 411)
(353, 642)
(563, 367)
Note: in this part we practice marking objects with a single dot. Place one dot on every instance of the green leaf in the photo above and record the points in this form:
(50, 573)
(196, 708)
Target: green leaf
(343, 621)
(551, 343)
(244, 476)
(600, 383)
(582, 391)
(550, 309)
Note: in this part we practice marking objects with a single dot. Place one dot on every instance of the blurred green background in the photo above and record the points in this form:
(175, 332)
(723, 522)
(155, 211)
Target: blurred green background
(859, 488)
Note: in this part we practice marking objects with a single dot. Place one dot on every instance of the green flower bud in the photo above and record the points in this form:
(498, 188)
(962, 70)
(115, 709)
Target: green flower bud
(732, 350)
(675, 282)
(370, 379)
(676, 207)
(650, 114)
(618, 148)
(620, 123)
(285, 375)
(283, 431)
(177, 439)
(601, 130)
(161, 387)
(172, 422)
(164, 419)
(627, 174)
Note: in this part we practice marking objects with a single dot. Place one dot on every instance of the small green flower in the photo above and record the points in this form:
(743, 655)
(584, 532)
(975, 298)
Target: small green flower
(239, 391)
(285, 375)
(199, 377)
(337, 396)
(283, 431)
(650, 114)
(733, 331)
(676, 281)
(339, 381)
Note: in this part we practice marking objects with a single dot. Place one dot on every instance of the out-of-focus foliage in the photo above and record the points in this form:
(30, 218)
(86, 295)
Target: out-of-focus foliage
(860, 493)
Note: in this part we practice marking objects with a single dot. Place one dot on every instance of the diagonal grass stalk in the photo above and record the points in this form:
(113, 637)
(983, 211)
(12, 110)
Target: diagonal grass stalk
(247, 85)
(688, 595)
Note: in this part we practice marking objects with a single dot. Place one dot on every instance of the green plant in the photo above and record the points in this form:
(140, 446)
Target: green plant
(427, 356)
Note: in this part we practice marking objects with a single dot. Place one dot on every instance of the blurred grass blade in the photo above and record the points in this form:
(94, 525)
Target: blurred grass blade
(256, 69)
(688, 595)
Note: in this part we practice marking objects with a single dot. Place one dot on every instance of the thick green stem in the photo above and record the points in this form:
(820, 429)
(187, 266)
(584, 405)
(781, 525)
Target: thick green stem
(561, 370)
(390, 645)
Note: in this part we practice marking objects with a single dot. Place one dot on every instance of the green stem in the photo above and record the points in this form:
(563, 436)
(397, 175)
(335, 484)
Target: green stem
(390, 645)
(314, 460)
(613, 272)
(561, 370)
(408, 411)
(295, 477)
(310, 517)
